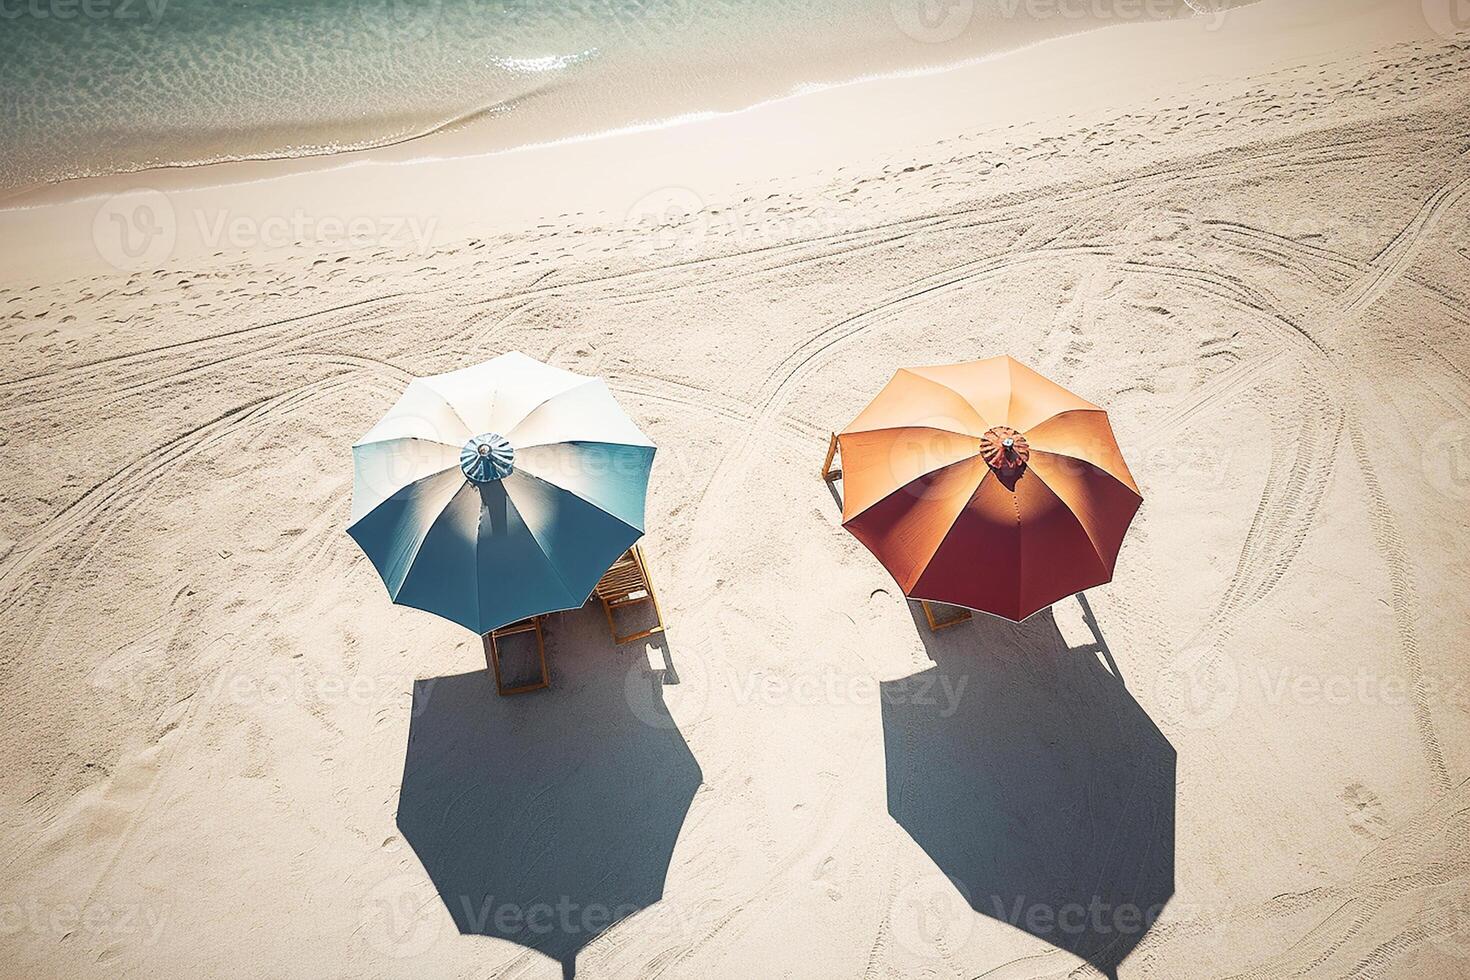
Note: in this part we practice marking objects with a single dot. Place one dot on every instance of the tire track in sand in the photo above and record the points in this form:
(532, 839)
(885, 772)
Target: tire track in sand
(126, 485)
(1387, 268)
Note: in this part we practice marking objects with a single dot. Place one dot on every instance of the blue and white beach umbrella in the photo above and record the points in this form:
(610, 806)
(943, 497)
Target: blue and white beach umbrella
(499, 492)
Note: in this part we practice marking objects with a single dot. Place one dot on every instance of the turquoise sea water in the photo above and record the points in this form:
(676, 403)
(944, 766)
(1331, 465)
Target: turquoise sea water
(104, 86)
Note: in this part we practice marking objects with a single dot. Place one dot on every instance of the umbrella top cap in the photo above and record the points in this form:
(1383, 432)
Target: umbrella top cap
(487, 458)
(1005, 449)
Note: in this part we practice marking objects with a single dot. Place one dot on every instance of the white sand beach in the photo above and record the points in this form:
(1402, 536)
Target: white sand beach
(228, 754)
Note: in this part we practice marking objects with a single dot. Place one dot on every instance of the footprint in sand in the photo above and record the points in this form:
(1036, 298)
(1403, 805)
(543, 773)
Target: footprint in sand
(1364, 812)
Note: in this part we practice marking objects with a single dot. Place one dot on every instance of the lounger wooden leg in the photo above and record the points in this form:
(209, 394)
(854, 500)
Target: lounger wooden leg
(492, 659)
(936, 624)
(827, 473)
(612, 626)
(658, 614)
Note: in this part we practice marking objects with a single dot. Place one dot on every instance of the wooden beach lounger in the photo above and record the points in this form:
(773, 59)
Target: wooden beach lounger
(492, 654)
(828, 473)
(961, 614)
(626, 584)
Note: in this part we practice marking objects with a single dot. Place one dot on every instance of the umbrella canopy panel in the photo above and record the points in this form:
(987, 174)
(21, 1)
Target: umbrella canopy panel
(985, 485)
(499, 491)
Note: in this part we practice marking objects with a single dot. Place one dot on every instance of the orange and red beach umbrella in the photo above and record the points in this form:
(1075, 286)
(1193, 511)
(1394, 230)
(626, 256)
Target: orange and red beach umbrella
(985, 485)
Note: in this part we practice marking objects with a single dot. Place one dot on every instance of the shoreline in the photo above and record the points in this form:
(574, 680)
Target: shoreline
(440, 193)
(467, 99)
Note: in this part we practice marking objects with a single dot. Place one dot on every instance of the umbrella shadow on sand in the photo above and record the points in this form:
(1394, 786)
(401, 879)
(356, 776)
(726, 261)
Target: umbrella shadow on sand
(546, 818)
(1036, 783)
